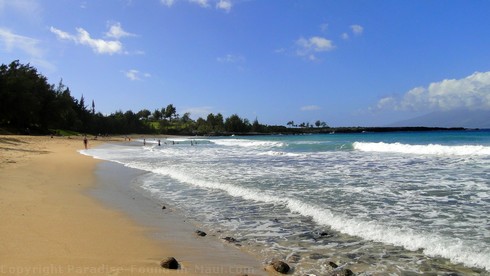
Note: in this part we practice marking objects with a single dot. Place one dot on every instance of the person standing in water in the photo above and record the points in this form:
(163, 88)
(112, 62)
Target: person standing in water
(85, 141)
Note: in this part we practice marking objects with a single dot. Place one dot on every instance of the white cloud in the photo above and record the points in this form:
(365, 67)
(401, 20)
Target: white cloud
(320, 44)
(202, 3)
(357, 29)
(229, 58)
(385, 103)
(224, 5)
(28, 8)
(310, 108)
(471, 93)
(99, 46)
(308, 47)
(62, 35)
(280, 51)
(135, 75)
(11, 41)
(132, 74)
(117, 32)
(200, 111)
(168, 3)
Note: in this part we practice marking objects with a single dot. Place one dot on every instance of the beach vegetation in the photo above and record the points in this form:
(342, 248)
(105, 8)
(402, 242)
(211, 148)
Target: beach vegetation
(236, 124)
(170, 112)
(63, 132)
(144, 114)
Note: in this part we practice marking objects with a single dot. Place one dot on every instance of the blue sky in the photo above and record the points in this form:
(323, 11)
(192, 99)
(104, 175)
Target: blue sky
(348, 63)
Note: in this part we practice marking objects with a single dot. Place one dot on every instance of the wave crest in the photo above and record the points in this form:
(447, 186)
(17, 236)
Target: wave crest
(246, 143)
(431, 149)
(431, 244)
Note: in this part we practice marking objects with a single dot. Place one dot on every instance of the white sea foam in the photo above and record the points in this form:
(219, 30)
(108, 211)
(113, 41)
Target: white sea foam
(95, 154)
(433, 149)
(309, 187)
(246, 143)
(280, 153)
(84, 152)
(432, 244)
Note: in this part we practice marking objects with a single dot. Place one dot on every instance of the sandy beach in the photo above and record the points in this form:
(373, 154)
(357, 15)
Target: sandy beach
(51, 226)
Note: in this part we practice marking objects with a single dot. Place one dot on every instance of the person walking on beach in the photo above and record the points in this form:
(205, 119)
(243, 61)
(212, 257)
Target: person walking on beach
(85, 141)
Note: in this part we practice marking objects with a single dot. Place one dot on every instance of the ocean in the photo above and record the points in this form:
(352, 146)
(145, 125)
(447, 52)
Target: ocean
(401, 203)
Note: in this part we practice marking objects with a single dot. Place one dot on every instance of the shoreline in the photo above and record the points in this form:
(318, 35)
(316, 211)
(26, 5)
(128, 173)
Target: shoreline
(307, 245)
(54, 226)
(119, 189)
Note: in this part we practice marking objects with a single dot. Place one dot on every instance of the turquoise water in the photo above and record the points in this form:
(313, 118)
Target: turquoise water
(380, 203)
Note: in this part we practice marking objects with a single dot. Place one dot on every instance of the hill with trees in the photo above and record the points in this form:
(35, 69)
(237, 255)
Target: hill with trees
(29, 104)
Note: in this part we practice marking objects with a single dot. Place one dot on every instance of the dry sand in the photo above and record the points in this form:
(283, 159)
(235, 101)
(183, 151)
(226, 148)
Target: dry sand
(50, 226)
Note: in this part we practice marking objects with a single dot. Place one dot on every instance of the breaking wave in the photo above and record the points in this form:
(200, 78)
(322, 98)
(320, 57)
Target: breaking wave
(432, 149)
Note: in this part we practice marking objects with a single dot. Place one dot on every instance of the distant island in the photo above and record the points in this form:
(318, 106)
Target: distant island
(30, 105)
(464, 118)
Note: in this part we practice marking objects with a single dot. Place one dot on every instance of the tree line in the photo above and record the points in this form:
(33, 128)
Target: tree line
(29, 104)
